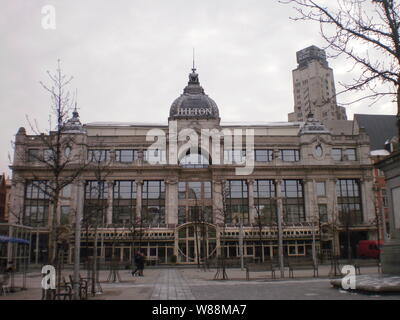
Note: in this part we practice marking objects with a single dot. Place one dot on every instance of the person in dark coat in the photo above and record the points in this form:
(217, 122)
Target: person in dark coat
(142, 259)
(136, 259)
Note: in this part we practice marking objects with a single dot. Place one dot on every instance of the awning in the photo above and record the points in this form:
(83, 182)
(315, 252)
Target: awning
(13, 240)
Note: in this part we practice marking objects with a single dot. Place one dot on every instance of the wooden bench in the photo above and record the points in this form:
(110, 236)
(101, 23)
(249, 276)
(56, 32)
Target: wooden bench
(260, 267)
(302, 264)
(366, 263)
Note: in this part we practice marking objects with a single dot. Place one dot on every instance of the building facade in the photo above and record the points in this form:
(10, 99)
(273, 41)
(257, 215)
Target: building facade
(314, 88)
(183, 189)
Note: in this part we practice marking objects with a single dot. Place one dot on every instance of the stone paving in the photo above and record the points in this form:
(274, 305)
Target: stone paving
(192, 283)
(171, 286)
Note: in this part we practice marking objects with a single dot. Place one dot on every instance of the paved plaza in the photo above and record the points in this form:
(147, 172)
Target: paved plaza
(196, 284)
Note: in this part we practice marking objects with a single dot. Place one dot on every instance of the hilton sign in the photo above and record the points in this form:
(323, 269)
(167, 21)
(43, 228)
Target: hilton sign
(194, 112)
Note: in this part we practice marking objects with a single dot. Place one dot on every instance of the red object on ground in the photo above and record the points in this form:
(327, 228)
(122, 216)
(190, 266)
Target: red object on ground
(369, 249)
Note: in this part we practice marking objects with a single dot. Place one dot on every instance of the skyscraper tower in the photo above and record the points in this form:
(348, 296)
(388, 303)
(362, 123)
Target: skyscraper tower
(314, 88)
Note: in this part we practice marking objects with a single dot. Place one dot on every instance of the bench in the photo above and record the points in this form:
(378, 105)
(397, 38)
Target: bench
(82, 287)
(64, 291)
(301, 264)
(366, 263)
(260, 267)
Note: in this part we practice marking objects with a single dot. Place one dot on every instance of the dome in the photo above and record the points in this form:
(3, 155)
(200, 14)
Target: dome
(194, 103)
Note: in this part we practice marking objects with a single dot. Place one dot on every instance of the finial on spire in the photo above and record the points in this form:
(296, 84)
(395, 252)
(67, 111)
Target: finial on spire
(75, 112)
(194, 68)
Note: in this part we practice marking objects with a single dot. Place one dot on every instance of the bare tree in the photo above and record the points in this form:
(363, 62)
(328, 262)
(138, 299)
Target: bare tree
(96, 205)
(56, 155)
(366, 32)
(260, 225)
(222, 217)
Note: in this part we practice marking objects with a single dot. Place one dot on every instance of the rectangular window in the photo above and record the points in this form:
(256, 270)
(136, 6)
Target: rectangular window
(195, 197)
(336, 154)
(234, 156)
(96, 190)
(264, 201)
(66, 191)
(237, 202)
(124, 202)
(351, 154)
(155, 156)
(95, 205)
(293, 201)
(153, 202)
(349, 201)
(65, 211)
(323, 213)
(126, 155)
(182, 215)
(36, 210)
(290, 155)
(34, 155)
(321, 191)
(98, 155)
(194, 190)
(207, 190)
(49, 155)
(182, 190)
(263, 155)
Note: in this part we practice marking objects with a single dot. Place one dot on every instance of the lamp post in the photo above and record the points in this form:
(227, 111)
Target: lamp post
(241, 244)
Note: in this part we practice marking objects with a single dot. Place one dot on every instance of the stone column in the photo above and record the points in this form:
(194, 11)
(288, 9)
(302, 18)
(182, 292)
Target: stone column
(334, 218)
(280, 214)
(252, 210)
(74, 202)
(78, 220)
(217, 202)
(110, 188)
(367, 199)
(139, 186)
(171, 200)
(16, 211)
(309, 199)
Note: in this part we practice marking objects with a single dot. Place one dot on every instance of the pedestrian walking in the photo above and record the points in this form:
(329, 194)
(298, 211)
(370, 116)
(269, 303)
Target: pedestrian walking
(136, 262)
(142, 259)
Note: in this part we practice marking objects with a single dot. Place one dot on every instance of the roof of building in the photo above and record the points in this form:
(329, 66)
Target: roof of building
(338, 127)
(379, 127)
(223, 124)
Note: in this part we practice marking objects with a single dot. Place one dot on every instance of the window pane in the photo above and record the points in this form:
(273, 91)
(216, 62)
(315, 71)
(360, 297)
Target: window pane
(290, 155)
(125, 155)
(263, 155)
(33, 155)
(351, 154)
(321, 189)
(337, 154)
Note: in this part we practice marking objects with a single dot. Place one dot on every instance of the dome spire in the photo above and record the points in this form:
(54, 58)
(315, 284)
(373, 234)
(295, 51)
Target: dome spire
(75, 113)
(193, 77)
(194, 68)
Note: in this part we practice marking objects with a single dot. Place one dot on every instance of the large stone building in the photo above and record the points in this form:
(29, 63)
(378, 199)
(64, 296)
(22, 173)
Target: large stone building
(314, 88)
(176, 198)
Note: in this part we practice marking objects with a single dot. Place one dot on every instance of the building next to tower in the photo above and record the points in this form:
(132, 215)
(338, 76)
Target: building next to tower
(185, 203)
(314, 88)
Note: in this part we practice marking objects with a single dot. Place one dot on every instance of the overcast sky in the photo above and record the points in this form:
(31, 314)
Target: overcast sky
(130, 59)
